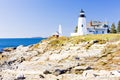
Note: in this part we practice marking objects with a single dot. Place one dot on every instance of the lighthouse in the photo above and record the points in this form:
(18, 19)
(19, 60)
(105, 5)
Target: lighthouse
(60, 30)
(82, 29)
(94, 27)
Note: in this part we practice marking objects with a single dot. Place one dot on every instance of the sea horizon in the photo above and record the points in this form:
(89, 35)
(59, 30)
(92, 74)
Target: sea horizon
(19, 37)
(14, 42)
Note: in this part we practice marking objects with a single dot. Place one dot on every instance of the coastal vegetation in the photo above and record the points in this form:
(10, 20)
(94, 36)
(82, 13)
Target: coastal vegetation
(115, 29)
(100, 39)
(118, 28)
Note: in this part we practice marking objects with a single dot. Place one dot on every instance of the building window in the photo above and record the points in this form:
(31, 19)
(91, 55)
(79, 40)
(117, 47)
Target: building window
(102, 32)
(82, 25)
(90, 31)
(96, 32)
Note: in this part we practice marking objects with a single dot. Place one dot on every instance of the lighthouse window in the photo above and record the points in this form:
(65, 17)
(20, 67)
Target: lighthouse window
(82, 25)
(82, 15)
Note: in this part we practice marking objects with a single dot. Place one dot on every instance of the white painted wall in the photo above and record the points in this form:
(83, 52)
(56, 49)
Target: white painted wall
(82, 30)
(97, 31)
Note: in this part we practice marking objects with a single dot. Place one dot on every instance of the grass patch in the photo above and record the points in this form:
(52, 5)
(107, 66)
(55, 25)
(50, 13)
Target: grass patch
(76, 39)
(58, 42)
(100, 38)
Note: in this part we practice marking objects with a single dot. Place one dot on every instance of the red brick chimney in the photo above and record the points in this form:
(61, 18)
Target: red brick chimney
(90, 23)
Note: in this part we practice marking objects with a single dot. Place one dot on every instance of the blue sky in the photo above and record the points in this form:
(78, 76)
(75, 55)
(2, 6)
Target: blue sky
(34, 18)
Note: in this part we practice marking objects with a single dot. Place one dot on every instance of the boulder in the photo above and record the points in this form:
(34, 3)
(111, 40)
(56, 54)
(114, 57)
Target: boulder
(41, 76)
(9, 49)
(47, 72)
(20, 76)
(115, 73)
(22, 48)
(59, 72)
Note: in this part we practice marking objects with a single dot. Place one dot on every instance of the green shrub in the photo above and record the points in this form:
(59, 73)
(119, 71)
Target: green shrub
(102, 38)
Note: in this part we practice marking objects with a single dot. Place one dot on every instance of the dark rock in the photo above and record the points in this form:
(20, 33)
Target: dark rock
(20, 77)
(47, 72)
(118, 71)
(9, 49)
(21, 60)
(77, 58)
(10, 62)
(78, 64)
(95, 41)
(41, 76)
(89, 68)
(1, 52)
(69, 68)
(16, 67)
(96, 75)
(59, 72)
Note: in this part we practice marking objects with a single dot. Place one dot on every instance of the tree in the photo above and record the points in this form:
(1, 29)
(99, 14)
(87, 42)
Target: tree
(76, 29)
(113, 29)
(118, 28)
(108, 30)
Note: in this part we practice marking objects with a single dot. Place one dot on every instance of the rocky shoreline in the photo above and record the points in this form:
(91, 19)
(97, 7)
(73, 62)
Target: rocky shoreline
(81, 61)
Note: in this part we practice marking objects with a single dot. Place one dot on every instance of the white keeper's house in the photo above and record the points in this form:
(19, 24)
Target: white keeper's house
(93, 27)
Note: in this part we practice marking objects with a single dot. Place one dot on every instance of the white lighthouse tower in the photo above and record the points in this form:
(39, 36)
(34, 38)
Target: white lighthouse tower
(82, 29)
(60, 30)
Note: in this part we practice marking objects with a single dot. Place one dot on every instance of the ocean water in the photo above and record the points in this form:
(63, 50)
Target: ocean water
(14, 42)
